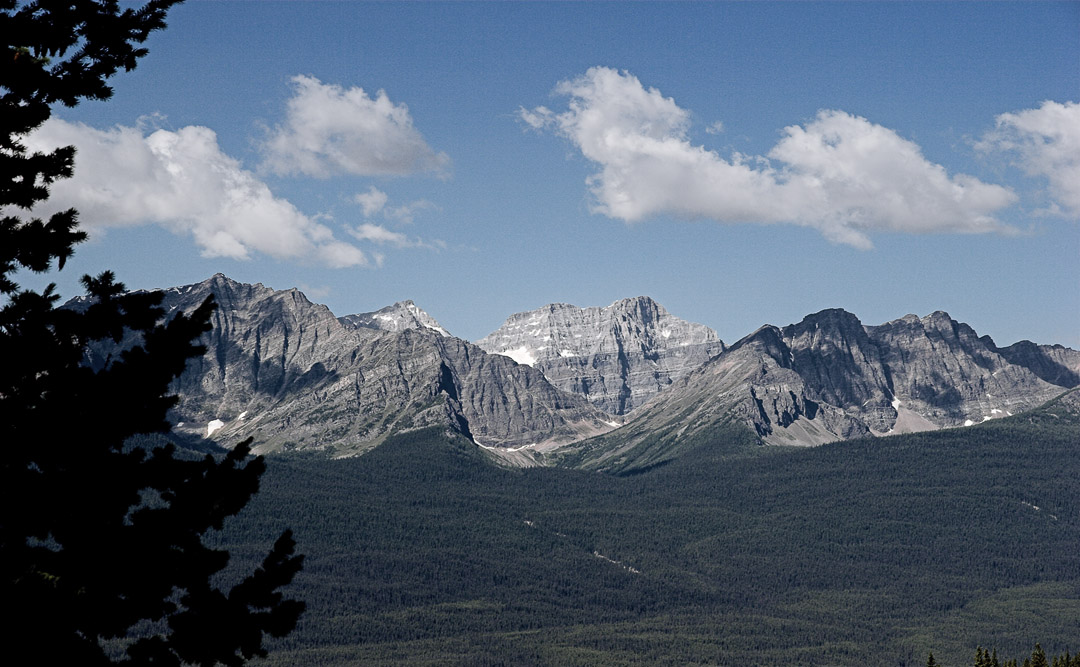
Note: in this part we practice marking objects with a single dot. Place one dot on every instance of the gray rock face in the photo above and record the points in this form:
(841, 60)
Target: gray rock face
(617, 357)
(1056, 364)
(943, 371)
(289, 373)
(292, 375)
(841, 366)
(398, 317)
(829, 378)
(754, 382)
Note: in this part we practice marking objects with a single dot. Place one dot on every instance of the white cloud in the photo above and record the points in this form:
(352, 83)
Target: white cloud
(1047, 143)
(537, 118)
(329, 130)
(371, 202)
(184, 182)
(380, 235)
(715, 128)
(846, 175)
(840, 173)
(374, 201)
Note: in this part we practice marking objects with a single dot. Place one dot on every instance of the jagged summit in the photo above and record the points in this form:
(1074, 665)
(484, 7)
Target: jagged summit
(394, 318)
(618, 356)
(398, 317)
(1056, 364)
(830, 377)
(292, 375)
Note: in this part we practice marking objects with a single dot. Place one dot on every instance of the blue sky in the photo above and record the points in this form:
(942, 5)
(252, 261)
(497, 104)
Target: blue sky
(742, 164)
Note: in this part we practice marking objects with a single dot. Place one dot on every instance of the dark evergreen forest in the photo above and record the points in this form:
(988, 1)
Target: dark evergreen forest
(866, 552)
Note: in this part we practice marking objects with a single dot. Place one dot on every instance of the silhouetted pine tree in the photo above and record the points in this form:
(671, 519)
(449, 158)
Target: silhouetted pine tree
(99, 541)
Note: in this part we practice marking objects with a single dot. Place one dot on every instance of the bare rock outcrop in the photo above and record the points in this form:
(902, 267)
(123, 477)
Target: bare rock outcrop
(943, 371)
(1056, 364)
(618, 356)
(292, 375)
(830, 378)
(398, 317)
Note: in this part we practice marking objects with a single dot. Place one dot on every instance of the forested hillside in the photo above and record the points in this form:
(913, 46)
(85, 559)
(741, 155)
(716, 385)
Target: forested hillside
(866, 552)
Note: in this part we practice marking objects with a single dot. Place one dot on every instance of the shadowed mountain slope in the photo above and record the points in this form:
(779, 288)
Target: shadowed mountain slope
(830, 378)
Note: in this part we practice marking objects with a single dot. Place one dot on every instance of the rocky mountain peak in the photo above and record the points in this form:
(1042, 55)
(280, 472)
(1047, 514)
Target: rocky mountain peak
(291, 374)
(832, 333)
(829, 377)
(617, 356)
(229, 294)
(1056, 364)
(561, 330)
(830, 319)
(641, 308)
(401, 316)
(767, 340)
(840, 365)
(288, 371)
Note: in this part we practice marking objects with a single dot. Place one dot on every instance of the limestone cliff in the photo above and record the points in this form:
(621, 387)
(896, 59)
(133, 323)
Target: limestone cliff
(618, 356)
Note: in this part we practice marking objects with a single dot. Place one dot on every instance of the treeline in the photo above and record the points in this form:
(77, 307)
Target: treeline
(1038, 658)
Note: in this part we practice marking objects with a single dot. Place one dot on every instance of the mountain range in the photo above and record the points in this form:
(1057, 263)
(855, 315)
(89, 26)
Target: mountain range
(829, 378)
(613, 387)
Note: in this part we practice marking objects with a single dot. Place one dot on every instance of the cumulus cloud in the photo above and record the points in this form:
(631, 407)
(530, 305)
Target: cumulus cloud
(374, 201)
(846, 175)
(840, 173)
(371, 202)
(1046, 142)
(184, 182)
(329, 130)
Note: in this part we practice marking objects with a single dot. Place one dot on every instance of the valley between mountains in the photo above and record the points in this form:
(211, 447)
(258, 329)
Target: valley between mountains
(875, 529)
(615, 388)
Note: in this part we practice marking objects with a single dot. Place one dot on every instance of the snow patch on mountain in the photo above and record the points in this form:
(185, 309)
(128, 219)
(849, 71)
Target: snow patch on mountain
(396, 318)
(214, 425)
(522, 355)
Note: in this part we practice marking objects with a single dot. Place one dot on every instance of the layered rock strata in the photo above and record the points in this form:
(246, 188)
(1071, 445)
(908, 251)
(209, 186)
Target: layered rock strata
(292, 375)
(618, 356)
(829, 378)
